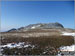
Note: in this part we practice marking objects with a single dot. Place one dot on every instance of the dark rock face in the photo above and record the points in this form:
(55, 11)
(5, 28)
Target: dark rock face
(39, 26)
(11, 30)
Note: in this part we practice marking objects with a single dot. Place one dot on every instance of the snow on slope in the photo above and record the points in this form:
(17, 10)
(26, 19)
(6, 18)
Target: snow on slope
(33, 27)
(17, 45)
(68, 34)
(68, 48)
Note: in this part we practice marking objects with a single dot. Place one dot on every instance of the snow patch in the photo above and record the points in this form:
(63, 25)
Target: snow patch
(33, 27)
(68, 48)
(17, 45)
(68, 34)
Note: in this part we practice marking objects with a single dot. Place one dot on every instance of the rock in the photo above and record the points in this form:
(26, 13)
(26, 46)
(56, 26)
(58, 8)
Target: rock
(11, 30)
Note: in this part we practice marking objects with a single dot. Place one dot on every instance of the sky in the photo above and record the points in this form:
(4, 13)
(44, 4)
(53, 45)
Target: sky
(16, 14)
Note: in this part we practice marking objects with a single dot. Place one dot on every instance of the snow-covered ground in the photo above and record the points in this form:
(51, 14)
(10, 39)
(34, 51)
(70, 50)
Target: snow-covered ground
(17, 45)
(68, 34)
(25, 45)
(68, 48)
(22, 44)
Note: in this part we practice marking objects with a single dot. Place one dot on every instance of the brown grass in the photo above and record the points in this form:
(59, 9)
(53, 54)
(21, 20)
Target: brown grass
(55, 41)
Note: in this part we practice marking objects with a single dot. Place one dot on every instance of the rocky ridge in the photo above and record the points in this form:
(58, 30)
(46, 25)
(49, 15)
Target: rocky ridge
(38, 26)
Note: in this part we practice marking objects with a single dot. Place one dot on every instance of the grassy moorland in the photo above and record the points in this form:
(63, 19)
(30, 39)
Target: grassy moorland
(55, 41)
(47, 44)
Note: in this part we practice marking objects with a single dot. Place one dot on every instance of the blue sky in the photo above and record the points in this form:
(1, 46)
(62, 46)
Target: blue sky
(22, 13)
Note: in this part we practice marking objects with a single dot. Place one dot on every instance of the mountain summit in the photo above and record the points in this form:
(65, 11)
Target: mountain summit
(44, 26)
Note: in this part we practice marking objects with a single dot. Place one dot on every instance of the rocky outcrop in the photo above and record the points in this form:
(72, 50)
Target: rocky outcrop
(11, 30)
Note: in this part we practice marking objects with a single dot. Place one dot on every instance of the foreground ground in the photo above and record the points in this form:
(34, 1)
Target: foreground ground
(36, 42)
(45, 45)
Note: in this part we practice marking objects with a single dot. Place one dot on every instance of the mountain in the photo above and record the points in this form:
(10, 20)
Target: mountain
(39, 26)
(39, 29)
(47, 36)
(44, 26)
